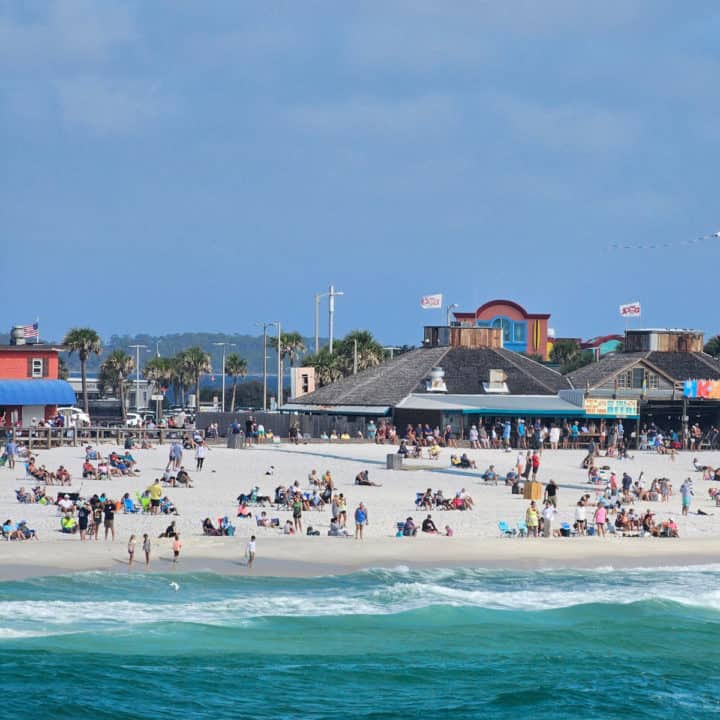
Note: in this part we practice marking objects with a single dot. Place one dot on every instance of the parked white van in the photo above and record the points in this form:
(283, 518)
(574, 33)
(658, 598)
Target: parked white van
(74, 417)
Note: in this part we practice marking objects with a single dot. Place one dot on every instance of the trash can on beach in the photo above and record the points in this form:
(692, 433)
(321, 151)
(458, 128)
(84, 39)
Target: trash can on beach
(394, 461)
(236, 441)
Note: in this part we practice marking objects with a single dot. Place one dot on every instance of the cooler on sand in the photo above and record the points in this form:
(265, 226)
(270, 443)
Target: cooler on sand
(533, 491)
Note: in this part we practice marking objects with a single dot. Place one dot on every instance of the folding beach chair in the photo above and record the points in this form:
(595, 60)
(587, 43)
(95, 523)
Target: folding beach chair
(522, 528)
(506, 530)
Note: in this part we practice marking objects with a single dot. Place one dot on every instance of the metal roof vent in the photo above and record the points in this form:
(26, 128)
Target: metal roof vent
(436, 381)
(497, 382)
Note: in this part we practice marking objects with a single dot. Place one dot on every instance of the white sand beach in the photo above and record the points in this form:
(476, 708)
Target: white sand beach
(476, 541)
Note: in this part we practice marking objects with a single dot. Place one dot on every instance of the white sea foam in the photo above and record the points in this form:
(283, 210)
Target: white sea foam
(395, 593)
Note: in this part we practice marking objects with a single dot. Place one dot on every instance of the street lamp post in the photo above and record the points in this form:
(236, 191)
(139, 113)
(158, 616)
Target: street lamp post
(265, 326)
(448, 310)
(279, 377)
(137, 373)
(224, 345)
(332, 294)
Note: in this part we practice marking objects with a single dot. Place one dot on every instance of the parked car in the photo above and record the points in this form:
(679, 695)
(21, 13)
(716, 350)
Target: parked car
(134, 420)
(74, 417)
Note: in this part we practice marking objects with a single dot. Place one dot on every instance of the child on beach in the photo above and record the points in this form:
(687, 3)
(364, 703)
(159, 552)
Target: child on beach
(177, 546)
(131, 550)
(146, 546)
(250, 551)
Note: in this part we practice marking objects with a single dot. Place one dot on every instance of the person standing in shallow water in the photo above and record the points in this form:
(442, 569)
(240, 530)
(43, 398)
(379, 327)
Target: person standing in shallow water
(147, 547)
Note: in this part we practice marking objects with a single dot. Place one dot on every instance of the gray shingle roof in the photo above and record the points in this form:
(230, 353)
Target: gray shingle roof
(465, 371)
(686, 366)
(597, 373)
(678, 366)
(386, 384)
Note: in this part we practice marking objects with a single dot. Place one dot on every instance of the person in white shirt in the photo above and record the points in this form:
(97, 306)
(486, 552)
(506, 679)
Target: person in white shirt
(250, 551)
(581, 518)
(66, 504)
(548, 514)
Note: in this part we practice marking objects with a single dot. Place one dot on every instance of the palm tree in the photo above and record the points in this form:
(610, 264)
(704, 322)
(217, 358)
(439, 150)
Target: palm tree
(84, 341)
(327, 367)
(236, 367)
(180, 377)
(369, 351)
(291, 345)
(114, 372)
(196, 362)
(159, 370)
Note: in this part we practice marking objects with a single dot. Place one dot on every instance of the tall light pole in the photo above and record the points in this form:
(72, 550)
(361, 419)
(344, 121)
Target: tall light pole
(332, 294)
(137, 373)
(265, 326)
(224, 345)
(448, 310)
(279, 374)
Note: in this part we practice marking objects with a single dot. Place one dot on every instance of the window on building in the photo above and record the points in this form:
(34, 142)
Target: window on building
(36, 368)
(638, 376)
(520, 332)
(506, 326)
(653, 381)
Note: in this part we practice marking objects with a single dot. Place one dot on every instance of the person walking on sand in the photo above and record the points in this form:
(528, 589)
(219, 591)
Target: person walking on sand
(361, 520)
(147, 547)
(177, 546)
(200, 454)
(535, 465)
(297, 507)
(250, 551)
(131, 551)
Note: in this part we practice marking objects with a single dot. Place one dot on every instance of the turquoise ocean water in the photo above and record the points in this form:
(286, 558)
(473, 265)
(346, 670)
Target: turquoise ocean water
(376, 644)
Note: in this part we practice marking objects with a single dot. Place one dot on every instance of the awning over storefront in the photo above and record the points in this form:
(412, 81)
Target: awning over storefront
(363, 410)
(15, 393)
(506, 405)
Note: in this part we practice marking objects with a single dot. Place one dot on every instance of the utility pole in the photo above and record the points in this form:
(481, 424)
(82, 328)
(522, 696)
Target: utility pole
(137, 373)
(265, 326)
(224, 345)
(332, 294)
(355, 363)
(279, 377)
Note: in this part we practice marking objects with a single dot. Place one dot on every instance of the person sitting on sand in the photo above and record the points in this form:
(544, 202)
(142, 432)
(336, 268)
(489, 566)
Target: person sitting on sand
(336, 530)
(426, 500)
(428, 526)
(490, 475)
(362, 479)
(454, 461)
(183, 478)
(63, 476)
(409, 528)
(170, 531)
(243, 511)
(288, 528)
(466, 462)
(209, 529)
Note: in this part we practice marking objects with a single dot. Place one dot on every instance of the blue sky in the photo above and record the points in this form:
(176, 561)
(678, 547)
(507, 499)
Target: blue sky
(183, 165)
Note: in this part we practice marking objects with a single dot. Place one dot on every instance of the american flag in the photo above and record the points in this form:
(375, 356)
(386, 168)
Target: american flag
(31, 332)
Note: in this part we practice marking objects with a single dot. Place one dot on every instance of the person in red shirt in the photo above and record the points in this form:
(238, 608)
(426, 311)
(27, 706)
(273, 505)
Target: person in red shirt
(535, 465)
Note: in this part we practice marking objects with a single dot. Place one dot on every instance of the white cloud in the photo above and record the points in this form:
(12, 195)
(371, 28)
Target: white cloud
(568, 127)
(105, 106)
(426, 33)
(64, 31)
(368, 115)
